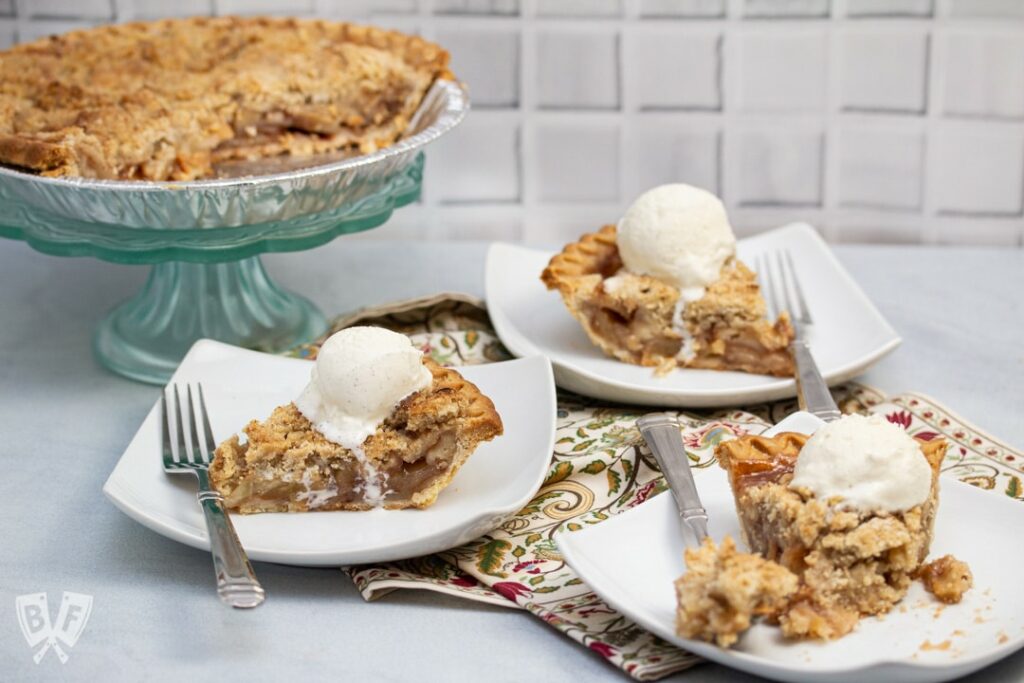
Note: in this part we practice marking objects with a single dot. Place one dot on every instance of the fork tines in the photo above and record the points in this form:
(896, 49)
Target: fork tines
(197, 451)
(780, 285)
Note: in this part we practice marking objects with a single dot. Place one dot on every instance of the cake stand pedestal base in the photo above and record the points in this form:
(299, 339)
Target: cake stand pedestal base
(146, 337)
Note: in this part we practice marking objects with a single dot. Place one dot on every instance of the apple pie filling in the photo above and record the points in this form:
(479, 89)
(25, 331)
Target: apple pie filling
(848, 562)
(641, 320)
(286, 465)
(310, 473)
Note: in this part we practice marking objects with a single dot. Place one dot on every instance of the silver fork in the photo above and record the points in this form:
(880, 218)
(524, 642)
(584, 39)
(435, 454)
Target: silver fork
(236, 582)
(782, 291)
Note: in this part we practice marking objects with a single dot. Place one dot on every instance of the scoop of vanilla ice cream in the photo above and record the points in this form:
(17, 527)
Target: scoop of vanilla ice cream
(678, 234)
(869, 462)
(361, 374)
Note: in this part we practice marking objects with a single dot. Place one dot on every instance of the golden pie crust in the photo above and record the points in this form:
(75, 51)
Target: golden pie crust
(180, 99)
(848, 563)
(640, 320)
(286, 465)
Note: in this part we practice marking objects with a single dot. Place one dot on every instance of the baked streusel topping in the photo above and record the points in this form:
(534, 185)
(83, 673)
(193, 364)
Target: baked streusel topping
(641, 320)
(724, 590)
(947, 578)
(285, 465)
(180, 99)
(845, 563)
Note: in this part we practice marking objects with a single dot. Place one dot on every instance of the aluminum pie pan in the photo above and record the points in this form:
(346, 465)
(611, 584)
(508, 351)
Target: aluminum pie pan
(249, 200)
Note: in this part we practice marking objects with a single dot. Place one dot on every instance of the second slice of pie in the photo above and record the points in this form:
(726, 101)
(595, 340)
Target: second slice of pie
(665, 289)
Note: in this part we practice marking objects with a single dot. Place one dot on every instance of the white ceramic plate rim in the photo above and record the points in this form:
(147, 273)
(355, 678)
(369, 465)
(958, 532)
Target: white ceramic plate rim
(132, 501)
(805, 423)
(518, 344)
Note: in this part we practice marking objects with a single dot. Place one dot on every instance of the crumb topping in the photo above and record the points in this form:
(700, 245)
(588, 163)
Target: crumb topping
(179, 99)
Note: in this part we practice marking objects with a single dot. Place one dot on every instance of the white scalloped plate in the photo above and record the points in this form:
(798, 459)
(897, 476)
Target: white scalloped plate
(632, 560)
(849, 334)
(240, 385)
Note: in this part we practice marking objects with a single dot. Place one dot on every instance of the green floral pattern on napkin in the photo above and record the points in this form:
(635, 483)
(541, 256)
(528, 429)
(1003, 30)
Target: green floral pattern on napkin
(601, 467)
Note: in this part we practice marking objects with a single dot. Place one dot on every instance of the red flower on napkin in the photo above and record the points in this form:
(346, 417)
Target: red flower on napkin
(645, 492)
(603, 649)
(463, 581)
(531, 566)
(900, 417)
(510, 590)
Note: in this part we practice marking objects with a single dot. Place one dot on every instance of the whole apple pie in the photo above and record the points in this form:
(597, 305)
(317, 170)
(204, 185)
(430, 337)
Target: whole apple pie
(180, 99)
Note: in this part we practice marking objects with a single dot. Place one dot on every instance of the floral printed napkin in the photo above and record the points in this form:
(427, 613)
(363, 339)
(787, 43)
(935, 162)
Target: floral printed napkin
(601, 467)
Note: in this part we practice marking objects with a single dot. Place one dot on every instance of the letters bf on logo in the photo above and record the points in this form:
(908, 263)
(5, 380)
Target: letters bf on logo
(34, 618)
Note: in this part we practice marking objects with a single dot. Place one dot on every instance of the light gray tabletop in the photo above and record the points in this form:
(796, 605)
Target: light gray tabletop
(64, 421)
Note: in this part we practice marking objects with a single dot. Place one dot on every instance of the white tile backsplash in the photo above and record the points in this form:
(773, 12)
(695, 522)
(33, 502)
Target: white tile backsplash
(876, 120)
(957, 230)
(781, 71)
(334, 9)
(978, 171)
(889, 8)
(576, 162)
(577, 70)
(777, 9)
(986, 8)
(682, 8)
(883, 71)
(880, 167)
(660, 152)
(34, 30)
(669, 70)
(487, 60)
(478, 162)
(877, 229)
(154, 9)
(580, 8)
(485, 7)
(779, 167)
(270, 7)
(62, 9)
(480, 223)
(981, 70)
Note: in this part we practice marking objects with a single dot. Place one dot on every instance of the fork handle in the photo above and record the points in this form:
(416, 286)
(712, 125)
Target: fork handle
(236, 581)
(812, 392)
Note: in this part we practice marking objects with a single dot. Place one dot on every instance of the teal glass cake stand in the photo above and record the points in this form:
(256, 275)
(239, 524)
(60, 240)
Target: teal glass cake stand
(206, 281)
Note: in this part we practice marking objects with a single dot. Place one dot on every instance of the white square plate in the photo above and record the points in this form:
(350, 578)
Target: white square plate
(240, 385)
(632, 560)
(849, 333)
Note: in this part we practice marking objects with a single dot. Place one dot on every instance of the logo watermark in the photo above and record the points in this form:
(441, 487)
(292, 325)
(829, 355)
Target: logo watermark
(34, 618)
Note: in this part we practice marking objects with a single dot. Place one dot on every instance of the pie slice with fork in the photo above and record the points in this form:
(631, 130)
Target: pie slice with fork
(641, 320)
(850, 562)
(286, 465)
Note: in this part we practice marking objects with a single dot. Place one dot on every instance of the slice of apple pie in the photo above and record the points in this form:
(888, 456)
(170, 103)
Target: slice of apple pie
(851, 562)
(855, 556)
(292, 464)
(847, 513)
(644, 320)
